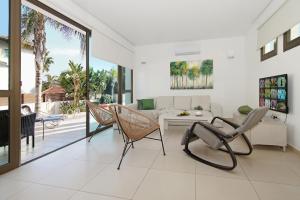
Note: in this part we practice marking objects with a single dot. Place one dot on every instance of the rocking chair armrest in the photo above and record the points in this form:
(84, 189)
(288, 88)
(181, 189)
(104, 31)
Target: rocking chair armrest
(212, 129)
(232, 124)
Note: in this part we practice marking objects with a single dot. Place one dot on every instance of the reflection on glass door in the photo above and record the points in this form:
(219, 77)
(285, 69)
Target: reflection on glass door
(4, 82)
(53, 81)
(126, 85)
(4, 131)
(103, 86)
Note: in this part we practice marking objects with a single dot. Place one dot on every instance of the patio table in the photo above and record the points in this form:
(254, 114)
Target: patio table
(50, 118)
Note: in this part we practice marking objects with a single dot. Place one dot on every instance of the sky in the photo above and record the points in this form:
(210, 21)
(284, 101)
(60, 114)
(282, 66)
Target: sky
(61, 49)
(4, 18)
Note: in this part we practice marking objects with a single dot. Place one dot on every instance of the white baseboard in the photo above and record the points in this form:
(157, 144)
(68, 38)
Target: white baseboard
(293, 148)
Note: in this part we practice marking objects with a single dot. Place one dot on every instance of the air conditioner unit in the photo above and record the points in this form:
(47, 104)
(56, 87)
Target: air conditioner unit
(187, 51)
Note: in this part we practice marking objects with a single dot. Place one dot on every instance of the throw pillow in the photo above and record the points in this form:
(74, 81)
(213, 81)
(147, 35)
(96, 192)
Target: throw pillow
(198, 108)
(146, 104)
(245, 110)
(139, 104)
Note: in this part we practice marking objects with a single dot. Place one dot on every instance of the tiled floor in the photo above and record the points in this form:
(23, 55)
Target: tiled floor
(68, 131)
(88, 171)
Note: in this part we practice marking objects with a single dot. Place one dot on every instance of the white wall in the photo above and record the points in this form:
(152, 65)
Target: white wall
(27, 71)
(284, 62)
(153, 79)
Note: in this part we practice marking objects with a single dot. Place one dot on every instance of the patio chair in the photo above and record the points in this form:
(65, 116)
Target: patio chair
(135, 127)
(4, 127)
(27, 127)
(102, 116)
(218, 139)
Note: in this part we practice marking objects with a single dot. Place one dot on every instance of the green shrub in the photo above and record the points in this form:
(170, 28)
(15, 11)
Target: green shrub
(106, 98)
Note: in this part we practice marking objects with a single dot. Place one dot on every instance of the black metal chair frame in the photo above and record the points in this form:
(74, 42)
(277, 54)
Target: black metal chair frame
(130, 142)
(223, 139)
(27, 128)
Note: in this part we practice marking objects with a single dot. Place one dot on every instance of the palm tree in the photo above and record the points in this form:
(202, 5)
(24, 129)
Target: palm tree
(173, 73)
(193, 74)
(47, 62)
(184, 72)
(51, 81)
(75, 74)
(206, 69)
(33, 29)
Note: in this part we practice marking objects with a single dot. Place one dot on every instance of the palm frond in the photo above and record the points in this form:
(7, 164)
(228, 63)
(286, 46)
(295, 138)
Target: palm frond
(68, 32)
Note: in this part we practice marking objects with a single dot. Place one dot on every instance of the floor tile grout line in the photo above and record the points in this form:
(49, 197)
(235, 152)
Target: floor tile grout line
(248, 178)
(146, 174)
(263, 181)
(102, 194)
(195, 180)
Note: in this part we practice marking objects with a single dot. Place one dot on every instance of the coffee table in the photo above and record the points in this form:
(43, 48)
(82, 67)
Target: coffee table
(172, 118)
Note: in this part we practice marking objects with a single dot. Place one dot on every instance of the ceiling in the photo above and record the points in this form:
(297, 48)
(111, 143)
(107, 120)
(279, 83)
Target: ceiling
(159, 21)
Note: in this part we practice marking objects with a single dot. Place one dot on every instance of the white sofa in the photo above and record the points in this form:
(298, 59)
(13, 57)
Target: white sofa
(178, 104)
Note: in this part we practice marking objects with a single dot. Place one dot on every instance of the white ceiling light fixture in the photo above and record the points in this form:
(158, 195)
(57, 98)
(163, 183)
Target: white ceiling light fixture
(186, 53)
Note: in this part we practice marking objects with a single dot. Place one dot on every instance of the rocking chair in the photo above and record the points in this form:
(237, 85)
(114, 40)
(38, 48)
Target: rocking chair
(216, 138)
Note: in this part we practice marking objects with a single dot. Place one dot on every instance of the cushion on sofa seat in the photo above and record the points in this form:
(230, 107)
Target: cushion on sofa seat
(182, 102)
(153, 114)
(203, 101)
(164, 102)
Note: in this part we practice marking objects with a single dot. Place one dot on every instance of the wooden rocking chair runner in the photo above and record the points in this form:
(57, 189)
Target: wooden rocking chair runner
(135, 127)
(102, 116)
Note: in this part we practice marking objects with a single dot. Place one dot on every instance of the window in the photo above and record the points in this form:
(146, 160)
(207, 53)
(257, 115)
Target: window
(126, 86)
(291, 38)
(269, 50)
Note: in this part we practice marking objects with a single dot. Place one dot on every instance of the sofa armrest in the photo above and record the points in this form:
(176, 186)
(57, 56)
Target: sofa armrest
(216, 110)
(132, 106)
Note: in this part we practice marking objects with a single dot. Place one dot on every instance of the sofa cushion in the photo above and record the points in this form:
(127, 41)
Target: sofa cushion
(146, 104)
(203, 101)
(164, 102)
(245, 110)
(182, 102)
(139, 104)
(153, 114)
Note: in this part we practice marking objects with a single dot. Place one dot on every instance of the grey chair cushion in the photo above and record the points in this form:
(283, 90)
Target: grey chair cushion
(253, 118)
(205, 131)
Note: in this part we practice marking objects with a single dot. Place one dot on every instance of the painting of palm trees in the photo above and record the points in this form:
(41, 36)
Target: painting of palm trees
(192, 74)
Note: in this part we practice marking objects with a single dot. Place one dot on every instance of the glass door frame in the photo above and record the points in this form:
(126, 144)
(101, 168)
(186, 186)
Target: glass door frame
(122, 86)
(13, 92)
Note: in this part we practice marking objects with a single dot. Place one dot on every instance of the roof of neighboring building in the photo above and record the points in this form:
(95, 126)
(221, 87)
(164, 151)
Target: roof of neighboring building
(56, 89)
(4, 38)
(25, 44)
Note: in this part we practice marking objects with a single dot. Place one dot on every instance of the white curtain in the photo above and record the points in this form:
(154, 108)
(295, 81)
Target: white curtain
(109, 50)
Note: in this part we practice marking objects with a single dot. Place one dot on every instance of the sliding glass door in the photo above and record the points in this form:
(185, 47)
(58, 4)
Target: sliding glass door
(9, 54)
(126, 85)
(4, 83)
(54, 74)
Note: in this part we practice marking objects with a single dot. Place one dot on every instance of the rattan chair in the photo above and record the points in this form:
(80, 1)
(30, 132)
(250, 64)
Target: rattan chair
(135, 126)
(102, 116)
